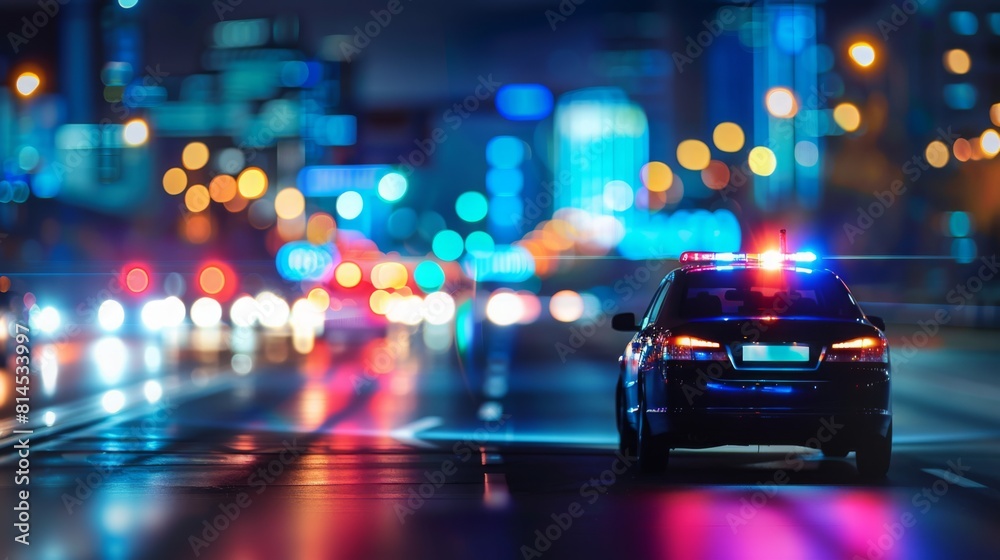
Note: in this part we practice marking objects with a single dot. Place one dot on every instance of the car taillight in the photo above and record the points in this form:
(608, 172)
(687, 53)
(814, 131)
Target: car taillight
(864, 349)
(689, 348)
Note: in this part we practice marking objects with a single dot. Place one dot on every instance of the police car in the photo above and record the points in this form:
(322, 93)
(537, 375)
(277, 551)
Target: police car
(754, 349)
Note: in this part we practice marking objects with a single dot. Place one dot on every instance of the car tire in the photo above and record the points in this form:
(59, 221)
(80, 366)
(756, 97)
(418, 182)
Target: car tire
(628, 438)
(652, 451)
(874, 454)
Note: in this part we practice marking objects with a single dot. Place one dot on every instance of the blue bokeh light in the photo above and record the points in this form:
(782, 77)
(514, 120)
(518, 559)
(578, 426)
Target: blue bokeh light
(524, 102)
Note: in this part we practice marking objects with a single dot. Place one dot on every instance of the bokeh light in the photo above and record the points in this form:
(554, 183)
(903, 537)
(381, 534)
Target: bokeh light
(392, 187)
(174, 180)
(762, 161)
(962, 149)
(274, 311)
(693, 155)
(319, 298)
(504, 308)
(195, 156)
(618, 196)
(862, 53)
(959, 224)
(212, 280)
(27, 83)
(347, 274)
(656, 176)
(289, 204)
(113, 401)
(429, 276)
(806, 153)
(936, 154)
(438, 308)
(447, 245)
(135, 132)
(321, 228)
(389, 275)
(957, 61)
(237, 204)
(480, 244)
(566, 306)
(252, 183)
(716, 175)
(378, 302)
(471, 206)
(136, 279)
(206, 312)
(847, 116)
(110, 315)
(222, 188)
(728, 137)
(197, 198)
(197, 228)
(990, 143)
(781, 102)
(349, 205)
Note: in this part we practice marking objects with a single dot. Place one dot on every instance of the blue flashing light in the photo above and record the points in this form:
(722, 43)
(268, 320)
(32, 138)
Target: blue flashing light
(524, 102)
(767, 258)
(127, 4)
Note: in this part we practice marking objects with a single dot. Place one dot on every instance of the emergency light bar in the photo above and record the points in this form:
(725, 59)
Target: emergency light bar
(767, 258)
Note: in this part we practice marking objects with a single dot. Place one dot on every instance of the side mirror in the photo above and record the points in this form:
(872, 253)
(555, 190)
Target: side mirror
(877, 321)
(624, 322)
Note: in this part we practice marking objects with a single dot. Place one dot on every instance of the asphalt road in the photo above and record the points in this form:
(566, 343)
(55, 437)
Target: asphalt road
(328, 460)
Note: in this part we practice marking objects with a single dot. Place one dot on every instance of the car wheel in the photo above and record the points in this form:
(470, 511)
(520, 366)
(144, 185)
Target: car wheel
(628, 438)
(652, 452)
(874, 454)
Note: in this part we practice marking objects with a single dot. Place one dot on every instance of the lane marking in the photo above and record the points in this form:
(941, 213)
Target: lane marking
(953, 478)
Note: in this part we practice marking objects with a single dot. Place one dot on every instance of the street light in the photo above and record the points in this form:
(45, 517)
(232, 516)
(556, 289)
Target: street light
(27, 83)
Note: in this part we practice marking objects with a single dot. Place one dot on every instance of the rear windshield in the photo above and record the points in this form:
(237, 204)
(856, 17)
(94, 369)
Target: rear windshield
(752, 292)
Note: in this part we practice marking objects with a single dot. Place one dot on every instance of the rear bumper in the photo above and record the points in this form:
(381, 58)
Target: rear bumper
(835, 404)
(744, 427)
